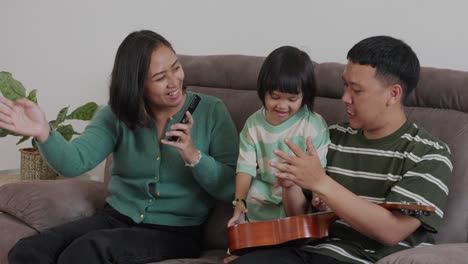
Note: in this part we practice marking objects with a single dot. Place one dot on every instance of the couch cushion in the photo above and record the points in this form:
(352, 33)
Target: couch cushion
(237, 72)
(441, 88)
(452, 128)
(215, 230)
(332, 110)
(241, 108)
(12, 231)
(47, 203)
(437, 254)
(206, 257)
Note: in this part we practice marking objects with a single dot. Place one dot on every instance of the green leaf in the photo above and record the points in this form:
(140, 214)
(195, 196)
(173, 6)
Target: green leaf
(4, 132)
(11, 88)
(23, 139)
(53, 124)
(84, 112)
(66, 131)
(33, 96)
(34, 144)
(61, 116)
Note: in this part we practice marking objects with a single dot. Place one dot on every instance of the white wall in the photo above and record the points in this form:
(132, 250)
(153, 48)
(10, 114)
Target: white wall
(65, 49)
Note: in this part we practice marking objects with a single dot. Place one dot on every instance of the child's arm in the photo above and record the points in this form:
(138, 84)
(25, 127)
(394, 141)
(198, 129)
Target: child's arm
(243, 181)
(318, 204)
(294, 201)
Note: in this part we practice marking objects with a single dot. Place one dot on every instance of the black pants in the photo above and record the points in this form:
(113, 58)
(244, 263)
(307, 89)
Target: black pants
(107, 237)
(284, 255)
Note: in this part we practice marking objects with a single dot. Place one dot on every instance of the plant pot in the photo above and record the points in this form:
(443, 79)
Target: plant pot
(34, 167)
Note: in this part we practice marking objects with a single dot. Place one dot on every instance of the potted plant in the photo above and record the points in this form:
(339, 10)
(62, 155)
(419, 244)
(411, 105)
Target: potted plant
(33, 165)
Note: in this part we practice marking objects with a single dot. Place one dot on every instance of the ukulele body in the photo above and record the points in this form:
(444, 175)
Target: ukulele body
(245, 237)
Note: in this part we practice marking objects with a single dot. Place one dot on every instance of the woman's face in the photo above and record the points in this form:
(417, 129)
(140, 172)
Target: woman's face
(164, 82)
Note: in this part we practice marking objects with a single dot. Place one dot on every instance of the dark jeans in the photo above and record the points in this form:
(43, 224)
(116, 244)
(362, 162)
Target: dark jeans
(284, 255)
(107, 237)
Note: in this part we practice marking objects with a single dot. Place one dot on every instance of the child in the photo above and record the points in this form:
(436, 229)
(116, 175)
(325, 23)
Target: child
(286, 87)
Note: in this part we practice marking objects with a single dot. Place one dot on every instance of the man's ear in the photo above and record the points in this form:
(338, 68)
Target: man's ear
(395, 94)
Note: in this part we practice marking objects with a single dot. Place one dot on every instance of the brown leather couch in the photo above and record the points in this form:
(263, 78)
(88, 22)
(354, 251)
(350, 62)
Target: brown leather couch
(440, 104)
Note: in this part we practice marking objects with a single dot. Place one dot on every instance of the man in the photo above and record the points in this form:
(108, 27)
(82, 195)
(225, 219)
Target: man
(377, 157)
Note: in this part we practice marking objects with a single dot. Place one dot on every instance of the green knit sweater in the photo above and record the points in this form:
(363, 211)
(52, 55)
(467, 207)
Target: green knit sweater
(149, 182)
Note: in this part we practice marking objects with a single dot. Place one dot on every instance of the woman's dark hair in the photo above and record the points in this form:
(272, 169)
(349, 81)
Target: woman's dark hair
(289, 70)
(127, 85)
(394, 61)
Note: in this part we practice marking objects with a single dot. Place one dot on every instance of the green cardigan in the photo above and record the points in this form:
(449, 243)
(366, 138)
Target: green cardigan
(149, 182)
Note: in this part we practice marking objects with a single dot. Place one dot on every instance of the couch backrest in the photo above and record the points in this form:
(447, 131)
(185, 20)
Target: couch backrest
(439, 104)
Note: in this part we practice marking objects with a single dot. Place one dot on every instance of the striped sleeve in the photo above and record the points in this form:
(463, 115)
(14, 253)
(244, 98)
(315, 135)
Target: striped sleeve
(426, 183)
(321, 140)
(247, 161)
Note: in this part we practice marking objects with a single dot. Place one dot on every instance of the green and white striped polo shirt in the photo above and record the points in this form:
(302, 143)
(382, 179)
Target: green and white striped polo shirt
(409, 165)
(258, 139)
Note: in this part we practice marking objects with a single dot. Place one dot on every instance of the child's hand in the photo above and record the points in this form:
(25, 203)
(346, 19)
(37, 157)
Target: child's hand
(239, 211)
(319, 204)
(283, 183)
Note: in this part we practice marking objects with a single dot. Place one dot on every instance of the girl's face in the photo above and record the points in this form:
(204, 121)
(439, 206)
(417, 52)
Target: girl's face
(280, 106)
(164, 82)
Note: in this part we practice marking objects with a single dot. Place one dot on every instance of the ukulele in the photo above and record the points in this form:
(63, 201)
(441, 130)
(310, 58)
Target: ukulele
(245, 237)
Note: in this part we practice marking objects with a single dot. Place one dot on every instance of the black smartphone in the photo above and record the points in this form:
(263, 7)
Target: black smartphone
(191, 108)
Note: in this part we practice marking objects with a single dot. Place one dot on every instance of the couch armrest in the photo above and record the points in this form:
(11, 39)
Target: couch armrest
(11, 230)
(442, 253)
(47, 203)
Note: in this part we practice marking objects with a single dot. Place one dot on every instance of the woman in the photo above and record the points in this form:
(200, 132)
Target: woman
(157, 205)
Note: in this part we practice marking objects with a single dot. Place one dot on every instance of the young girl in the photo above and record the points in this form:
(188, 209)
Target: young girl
(286, 87)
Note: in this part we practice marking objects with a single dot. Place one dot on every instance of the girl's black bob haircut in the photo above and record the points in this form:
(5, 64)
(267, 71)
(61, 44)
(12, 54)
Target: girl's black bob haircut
(289, 70)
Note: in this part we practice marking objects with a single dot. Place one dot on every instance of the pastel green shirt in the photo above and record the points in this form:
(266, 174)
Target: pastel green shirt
(258, 139)
(182, 196)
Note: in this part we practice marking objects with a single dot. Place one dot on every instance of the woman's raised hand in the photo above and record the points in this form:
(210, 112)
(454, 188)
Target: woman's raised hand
(24, 117)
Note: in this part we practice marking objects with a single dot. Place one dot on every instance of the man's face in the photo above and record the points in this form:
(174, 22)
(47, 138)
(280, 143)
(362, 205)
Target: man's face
(365, 98)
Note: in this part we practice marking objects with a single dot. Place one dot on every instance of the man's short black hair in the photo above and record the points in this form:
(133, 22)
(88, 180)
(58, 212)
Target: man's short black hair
(394, 60)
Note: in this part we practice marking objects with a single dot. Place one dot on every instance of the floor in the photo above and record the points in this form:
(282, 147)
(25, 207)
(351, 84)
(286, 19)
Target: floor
(7, 176)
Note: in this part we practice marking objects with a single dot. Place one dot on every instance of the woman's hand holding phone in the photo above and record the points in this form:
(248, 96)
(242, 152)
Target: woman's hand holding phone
(180, 135)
